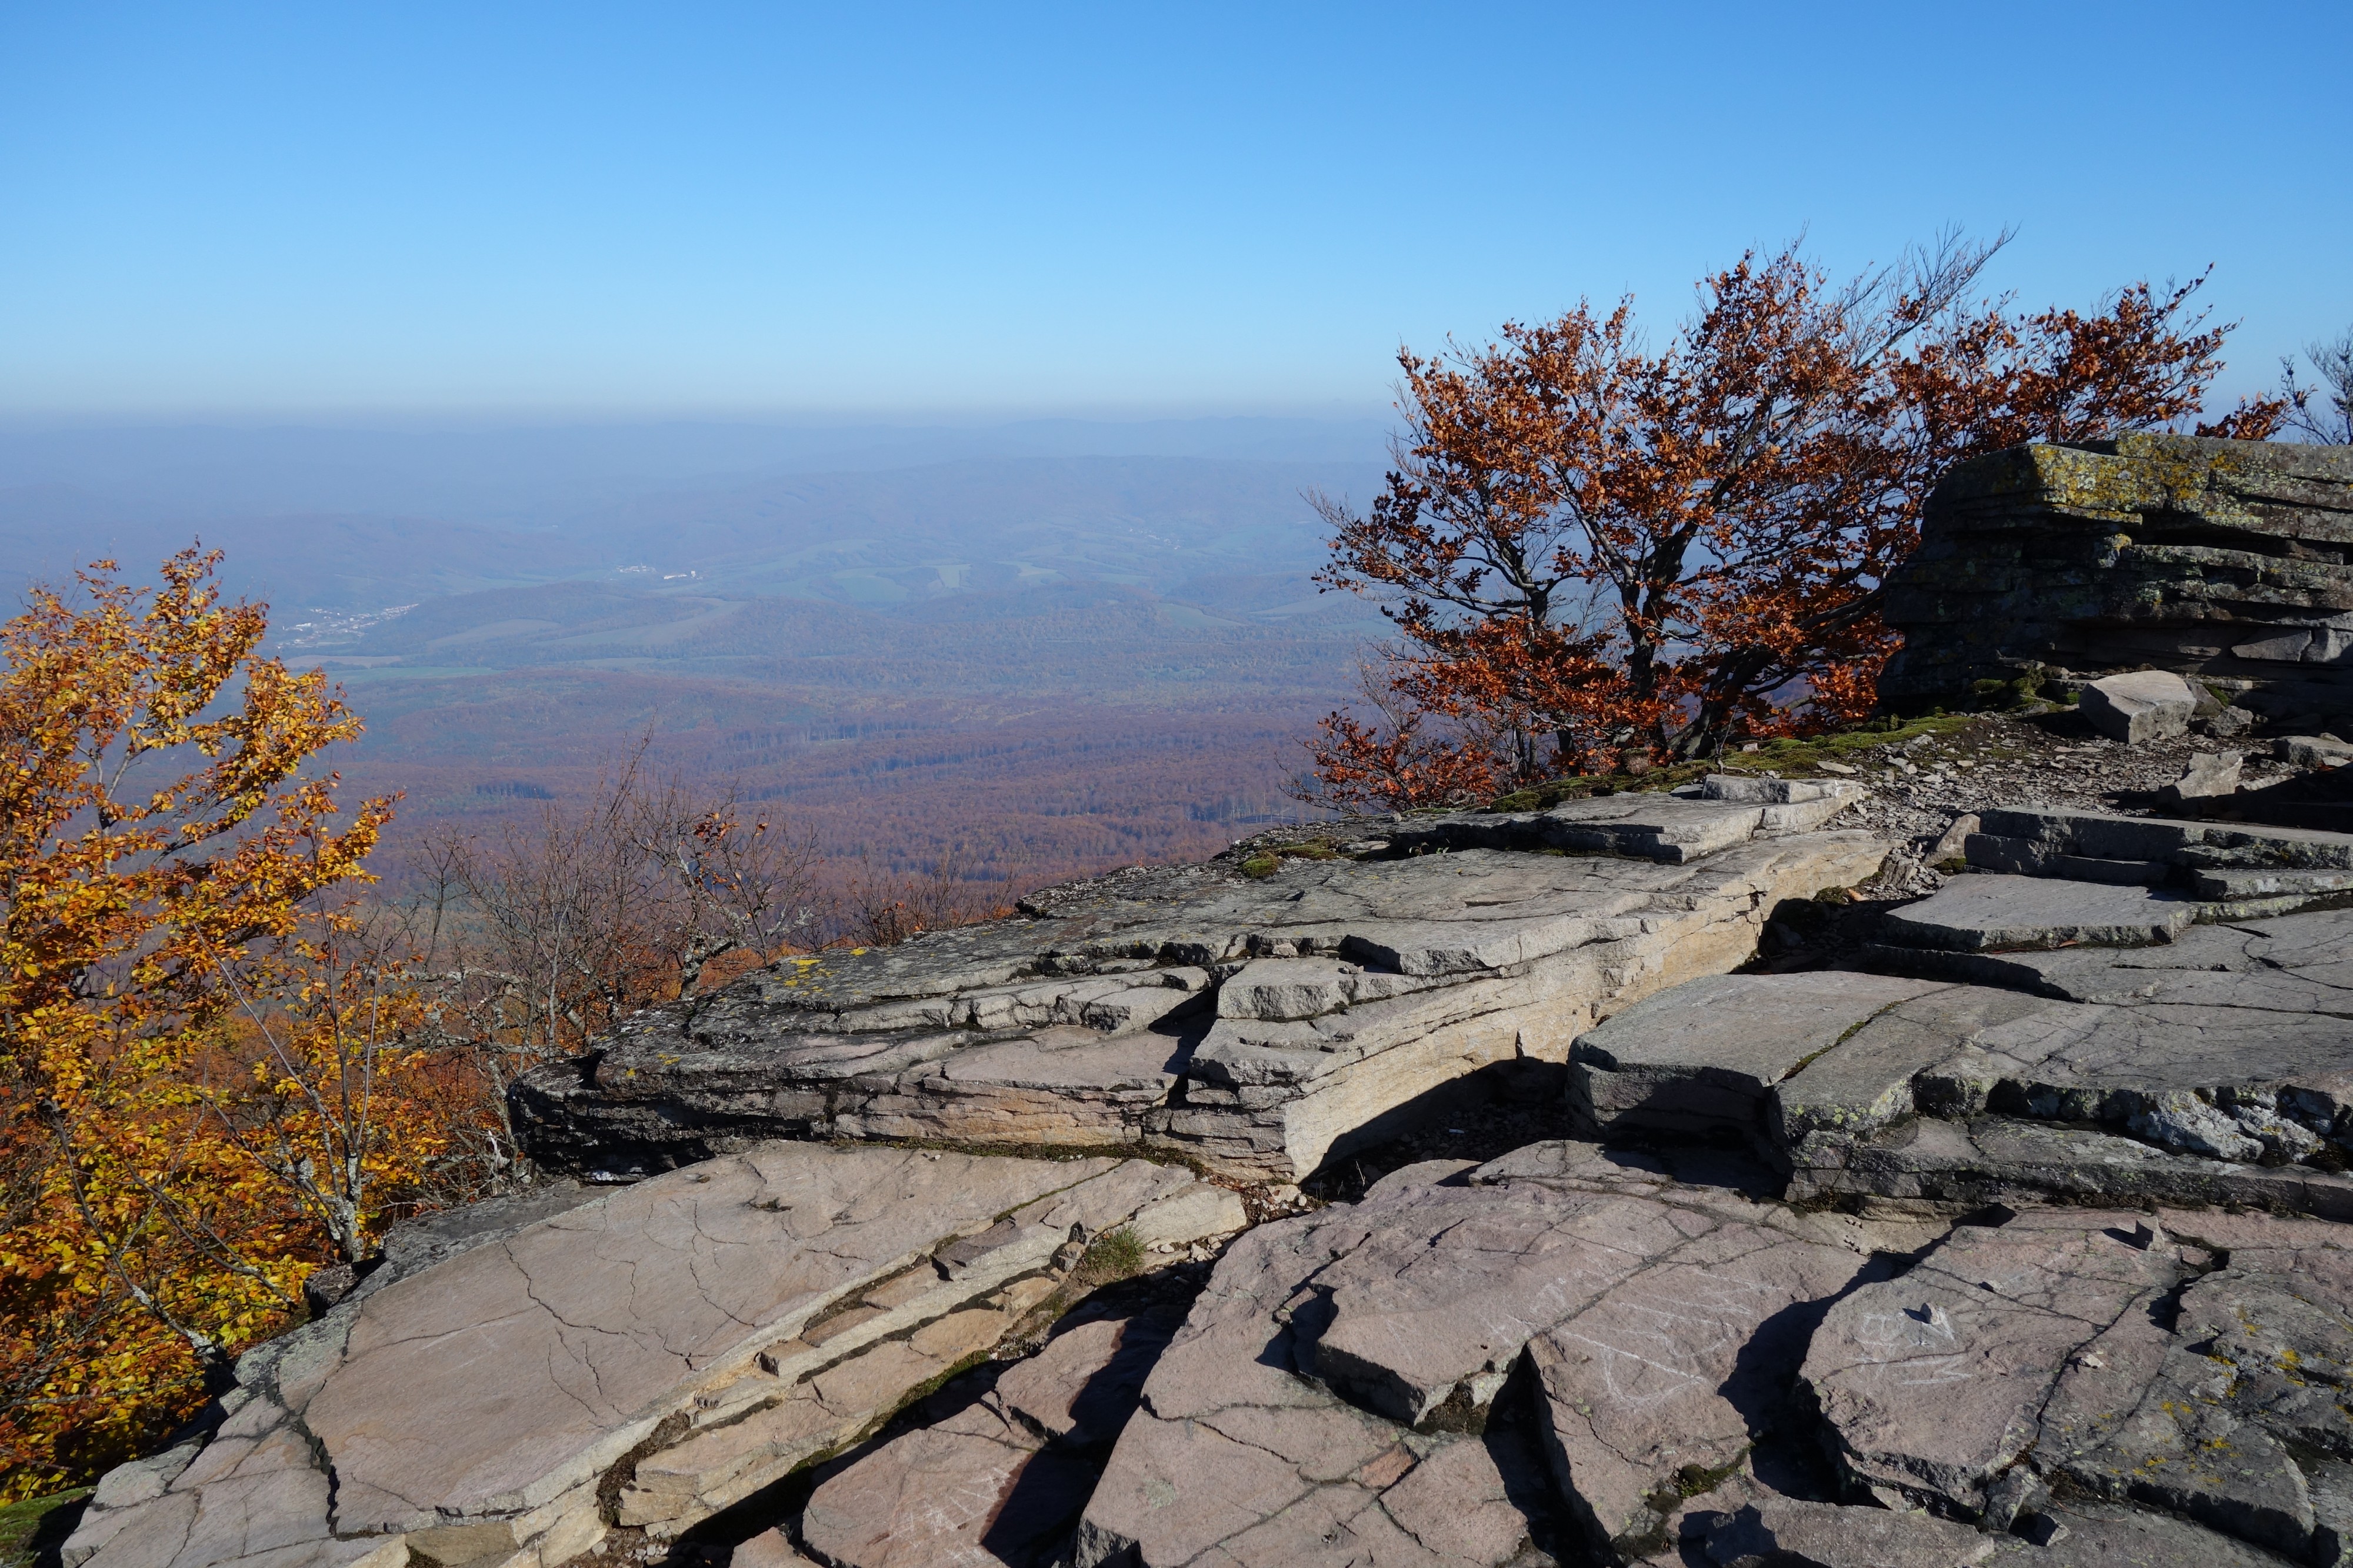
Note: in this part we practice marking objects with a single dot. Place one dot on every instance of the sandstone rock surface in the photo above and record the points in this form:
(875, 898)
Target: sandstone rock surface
(2025, 1239)
(472, 1409)
(1472, 1373)
(1257, 1026)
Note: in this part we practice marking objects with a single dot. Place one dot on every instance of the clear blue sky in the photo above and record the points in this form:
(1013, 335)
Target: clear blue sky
(715, 207)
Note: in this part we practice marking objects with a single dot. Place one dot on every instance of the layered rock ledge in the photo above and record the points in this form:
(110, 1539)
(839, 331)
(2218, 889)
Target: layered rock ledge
(1255, 1027)
(642, 1356)
(2223, 560)
(2218, 559)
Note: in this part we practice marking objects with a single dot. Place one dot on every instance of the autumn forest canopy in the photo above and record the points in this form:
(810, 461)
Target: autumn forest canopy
(243, 1031)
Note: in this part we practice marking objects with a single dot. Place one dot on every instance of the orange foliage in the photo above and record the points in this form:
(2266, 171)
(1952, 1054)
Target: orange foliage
(202, 1096)
(1591, 548)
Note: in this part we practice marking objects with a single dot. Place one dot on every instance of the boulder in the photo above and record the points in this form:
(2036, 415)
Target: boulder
(2313, 750)
(2140, 706)
(1256, 1026)
(2209, 774)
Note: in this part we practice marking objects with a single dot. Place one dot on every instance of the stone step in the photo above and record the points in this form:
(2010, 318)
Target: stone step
(1993, 912)
(2233, 1045)
(1962, 1165)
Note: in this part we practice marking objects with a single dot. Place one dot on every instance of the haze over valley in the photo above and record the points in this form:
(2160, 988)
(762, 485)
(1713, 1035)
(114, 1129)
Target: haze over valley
(989, 645)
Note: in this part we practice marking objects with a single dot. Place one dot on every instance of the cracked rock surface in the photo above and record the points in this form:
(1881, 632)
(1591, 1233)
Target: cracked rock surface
(1497, 1372)
(1254, 1027)
(534, 1383)
(2015, 1233)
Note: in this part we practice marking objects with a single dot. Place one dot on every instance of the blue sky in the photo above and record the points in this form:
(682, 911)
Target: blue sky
(690, 209)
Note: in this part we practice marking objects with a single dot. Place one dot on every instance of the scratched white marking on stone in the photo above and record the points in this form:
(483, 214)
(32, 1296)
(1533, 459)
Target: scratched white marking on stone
(1917, 1351)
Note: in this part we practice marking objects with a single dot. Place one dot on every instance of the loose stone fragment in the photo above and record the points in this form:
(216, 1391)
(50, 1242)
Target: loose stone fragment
(2208, 776)
(2141, 706)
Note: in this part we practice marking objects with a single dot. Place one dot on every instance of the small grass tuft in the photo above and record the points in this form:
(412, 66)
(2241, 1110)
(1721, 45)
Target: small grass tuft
(1258, 868)
(1114, 1255)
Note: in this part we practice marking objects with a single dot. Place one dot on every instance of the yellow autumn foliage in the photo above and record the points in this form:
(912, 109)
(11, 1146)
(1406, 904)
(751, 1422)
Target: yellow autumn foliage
(206, 1085)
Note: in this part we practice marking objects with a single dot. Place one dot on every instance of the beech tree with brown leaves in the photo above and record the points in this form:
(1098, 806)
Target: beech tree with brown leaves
(1597, 554)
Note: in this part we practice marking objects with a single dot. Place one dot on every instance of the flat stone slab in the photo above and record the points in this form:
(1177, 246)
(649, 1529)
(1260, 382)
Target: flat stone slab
(1984, 912)
(470, 1409)
(2187, 1363)
(1707, 1054)
(1933, 1381)
(1651, 825)
(1334, 1358)
(2294, 964)
(1256, 1026)
(1962, 1165)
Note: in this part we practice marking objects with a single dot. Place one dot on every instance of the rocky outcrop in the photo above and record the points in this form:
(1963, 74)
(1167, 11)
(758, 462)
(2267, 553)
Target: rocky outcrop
(2022, 1235)
(1254, 1027)
(1581, 1355)
(1414, 1377)
(2035, 1038)
(2221, 560)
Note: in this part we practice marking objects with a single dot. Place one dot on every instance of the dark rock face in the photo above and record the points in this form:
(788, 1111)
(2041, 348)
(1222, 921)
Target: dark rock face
(2223, 560)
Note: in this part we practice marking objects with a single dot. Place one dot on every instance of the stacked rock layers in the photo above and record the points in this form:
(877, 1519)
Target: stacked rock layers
(2225, 560)
(1255, 1027)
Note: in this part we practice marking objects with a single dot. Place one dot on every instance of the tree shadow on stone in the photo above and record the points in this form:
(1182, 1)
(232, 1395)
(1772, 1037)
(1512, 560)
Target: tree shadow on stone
(1790, 1447)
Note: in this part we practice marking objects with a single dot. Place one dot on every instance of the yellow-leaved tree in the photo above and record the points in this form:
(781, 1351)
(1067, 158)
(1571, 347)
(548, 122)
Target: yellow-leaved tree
(206, 1085)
